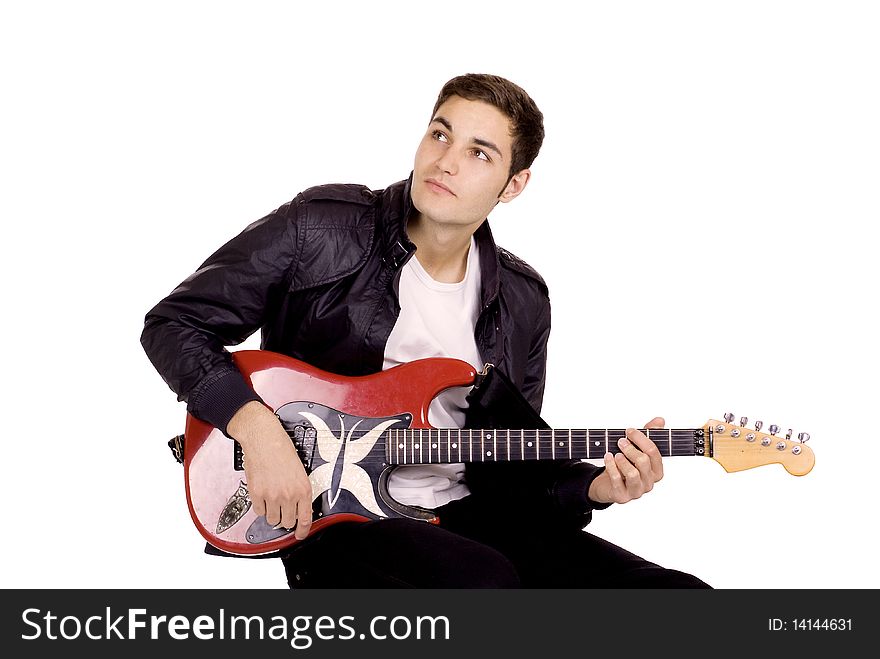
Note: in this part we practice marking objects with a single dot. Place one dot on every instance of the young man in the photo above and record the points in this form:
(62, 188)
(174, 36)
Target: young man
(354, 281)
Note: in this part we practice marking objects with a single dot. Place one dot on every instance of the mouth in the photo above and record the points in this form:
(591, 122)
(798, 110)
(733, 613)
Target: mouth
(439, 188)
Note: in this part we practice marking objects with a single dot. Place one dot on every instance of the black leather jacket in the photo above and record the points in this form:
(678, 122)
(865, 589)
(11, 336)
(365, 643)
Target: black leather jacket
(319, 277)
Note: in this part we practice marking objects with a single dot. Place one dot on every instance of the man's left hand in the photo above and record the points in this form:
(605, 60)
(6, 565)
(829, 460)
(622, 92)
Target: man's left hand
(633, 471)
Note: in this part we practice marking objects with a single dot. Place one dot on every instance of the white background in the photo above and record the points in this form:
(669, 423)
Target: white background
(703, 210)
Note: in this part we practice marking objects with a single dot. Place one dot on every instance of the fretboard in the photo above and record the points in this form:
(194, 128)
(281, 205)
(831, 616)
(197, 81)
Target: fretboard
(430, 445)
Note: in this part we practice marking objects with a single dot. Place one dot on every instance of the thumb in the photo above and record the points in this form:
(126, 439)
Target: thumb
(656, 422)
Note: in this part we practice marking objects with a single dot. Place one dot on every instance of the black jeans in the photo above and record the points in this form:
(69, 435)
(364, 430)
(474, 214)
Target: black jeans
(469, 549)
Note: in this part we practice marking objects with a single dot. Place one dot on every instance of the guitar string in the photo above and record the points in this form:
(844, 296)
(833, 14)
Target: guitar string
(681, 440)
(412, 436)
(461, 431)
(413, 439)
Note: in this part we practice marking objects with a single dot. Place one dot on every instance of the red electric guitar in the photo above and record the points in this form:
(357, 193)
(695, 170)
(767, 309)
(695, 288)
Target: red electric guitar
(350, 432)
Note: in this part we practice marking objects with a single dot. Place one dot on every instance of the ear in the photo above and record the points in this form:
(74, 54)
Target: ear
(515, 186)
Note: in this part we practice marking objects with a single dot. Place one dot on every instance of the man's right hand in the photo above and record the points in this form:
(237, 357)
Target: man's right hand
(277, 482)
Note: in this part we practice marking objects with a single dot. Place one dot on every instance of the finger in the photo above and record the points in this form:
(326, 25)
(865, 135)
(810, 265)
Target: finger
(288, 516)
(649, 449)
(654, 466)
(627, 469)
(640, 442)
(273, 514)
(656, 422)
(641, 456)
(632, 479)
(618, 489)
(304, 519)
(259, 506)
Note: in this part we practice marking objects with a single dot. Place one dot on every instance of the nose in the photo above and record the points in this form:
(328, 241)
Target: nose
(448, 161)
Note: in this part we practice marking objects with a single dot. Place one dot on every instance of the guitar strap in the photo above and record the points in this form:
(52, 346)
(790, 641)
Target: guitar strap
(176, 446)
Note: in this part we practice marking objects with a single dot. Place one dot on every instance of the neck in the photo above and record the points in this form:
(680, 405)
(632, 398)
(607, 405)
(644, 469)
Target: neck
(442, 249)
(444, 445)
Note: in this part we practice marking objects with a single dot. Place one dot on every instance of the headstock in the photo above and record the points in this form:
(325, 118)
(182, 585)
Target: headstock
(737, 447)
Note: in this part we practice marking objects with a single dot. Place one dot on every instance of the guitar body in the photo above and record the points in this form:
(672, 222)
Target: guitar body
(347, 466)
(351, 432)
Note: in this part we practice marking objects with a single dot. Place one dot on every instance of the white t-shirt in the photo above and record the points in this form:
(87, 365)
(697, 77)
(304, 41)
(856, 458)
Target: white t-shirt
(436, 319)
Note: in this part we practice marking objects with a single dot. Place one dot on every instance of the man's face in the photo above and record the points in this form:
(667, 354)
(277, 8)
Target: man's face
(467, 150)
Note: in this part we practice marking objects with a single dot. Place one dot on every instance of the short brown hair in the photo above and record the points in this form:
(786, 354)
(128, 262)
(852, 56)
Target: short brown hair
(527, 122)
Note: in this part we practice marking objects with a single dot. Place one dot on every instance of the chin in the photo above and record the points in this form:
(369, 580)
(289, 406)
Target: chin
(426, 205)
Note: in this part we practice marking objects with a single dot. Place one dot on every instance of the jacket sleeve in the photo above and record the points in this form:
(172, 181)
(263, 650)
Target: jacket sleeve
(222, 303)
(550, 493)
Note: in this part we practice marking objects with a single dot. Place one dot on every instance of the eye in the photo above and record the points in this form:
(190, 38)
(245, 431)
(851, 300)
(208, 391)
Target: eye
(439, 135)
(479, 153)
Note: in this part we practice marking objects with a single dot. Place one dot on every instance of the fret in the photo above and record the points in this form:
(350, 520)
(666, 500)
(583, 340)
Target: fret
(569, 443)
(508, 445)
(522, 445)
(552, 445)
(448, 445)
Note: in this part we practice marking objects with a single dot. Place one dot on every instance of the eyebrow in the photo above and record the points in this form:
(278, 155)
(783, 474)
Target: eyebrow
(478, 141)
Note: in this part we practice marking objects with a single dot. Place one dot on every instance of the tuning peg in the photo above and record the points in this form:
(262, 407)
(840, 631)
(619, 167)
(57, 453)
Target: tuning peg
(759, 425)
(804, 437)
(743, 420)
(788, 435)
(774, 429)
(728, 416)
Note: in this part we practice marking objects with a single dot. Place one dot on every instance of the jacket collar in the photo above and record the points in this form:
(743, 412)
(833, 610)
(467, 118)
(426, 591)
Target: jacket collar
(397, 248)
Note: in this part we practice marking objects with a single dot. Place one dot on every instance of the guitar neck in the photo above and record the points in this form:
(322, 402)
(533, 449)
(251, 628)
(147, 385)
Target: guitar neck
(446, 445)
